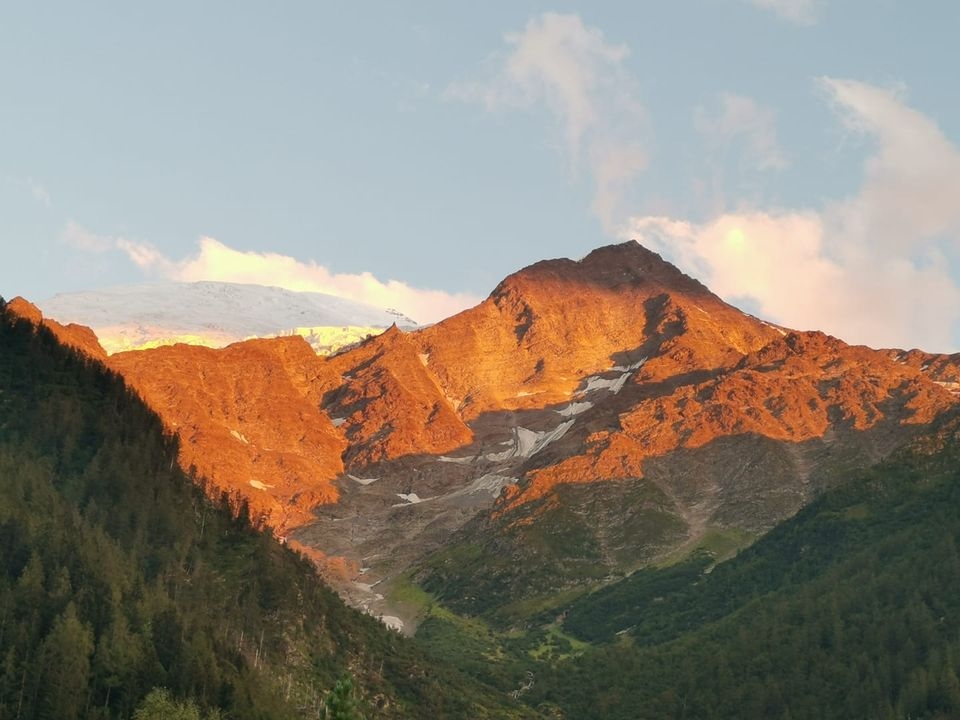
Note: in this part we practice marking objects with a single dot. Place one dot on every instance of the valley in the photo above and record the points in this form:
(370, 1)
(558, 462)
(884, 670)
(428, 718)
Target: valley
(588, 419)
(599, 473)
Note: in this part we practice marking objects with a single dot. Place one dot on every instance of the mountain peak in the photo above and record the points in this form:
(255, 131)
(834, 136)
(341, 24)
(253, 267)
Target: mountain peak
(76, 336)
(611, 268)
(546, 327)
(27, 310)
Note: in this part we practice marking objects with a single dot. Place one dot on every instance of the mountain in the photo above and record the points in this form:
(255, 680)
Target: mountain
(216, 314)
(124, 592)
(79, 337)
(249, 419)
(588, 418)
(548, 328)
(849, 609)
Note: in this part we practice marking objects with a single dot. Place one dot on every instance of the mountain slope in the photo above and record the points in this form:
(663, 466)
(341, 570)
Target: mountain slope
(710, 424)
(848, 610)
(118, 575)
(216, 314)
(387, 403)
(249, 420)
(588, 418)
(548, 326)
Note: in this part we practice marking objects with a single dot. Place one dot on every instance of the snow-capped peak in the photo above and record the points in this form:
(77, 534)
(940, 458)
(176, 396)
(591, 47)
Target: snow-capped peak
(216, 314)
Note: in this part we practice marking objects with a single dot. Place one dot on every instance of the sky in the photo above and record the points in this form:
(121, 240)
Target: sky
(800, 157)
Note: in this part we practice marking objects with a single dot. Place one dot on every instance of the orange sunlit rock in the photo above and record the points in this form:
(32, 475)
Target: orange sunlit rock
(78, 337)
(388, 404)
(248, 419)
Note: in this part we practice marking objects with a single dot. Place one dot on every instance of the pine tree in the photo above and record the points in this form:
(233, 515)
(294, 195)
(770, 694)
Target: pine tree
(66, 655)
(340, 703)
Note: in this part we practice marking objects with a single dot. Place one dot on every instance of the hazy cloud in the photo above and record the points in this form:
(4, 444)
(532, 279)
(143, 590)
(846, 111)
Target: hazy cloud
(559, 62)
(39, 192)
(872, 268)
(802, 12)
(216, 261)
(743, 121)
(79, 237)
(28, 184)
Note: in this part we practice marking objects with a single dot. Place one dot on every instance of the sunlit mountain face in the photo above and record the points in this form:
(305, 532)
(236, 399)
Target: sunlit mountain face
(588, 418)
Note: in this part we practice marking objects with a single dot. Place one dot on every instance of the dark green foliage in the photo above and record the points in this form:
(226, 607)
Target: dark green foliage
(518, 565)
(849, 610)
(159, 705)
(625, 605)
(341, 703)
(118, 576)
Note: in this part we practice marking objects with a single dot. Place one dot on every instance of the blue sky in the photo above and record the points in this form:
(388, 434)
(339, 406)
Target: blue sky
(798, 156)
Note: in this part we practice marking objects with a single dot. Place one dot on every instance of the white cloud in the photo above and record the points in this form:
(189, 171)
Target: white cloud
(911, 185)
(216, 261)
(743, 119)
(802, 12)
(572, 69)
(872, 268)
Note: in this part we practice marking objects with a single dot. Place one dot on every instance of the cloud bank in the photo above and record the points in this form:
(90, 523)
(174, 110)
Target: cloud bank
(572, 69)
(217, 261)
(873, 268)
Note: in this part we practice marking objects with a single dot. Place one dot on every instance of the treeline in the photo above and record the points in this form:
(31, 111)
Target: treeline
(118, 577)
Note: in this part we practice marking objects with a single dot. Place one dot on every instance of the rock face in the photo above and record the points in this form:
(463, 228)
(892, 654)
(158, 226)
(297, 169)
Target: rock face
(586, 418)
(249, 420)
(387, 404)
(545, 328)
(797, 388)
(76, 336)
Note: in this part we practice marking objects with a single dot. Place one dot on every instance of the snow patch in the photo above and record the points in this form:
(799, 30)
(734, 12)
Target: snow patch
(259, 485)
(575, 408)
(410, 499)
(527, 443)
(239, 436)
(363, 481)
(775, 327)
(458, 460)
(599, 383)
(392, 622)
(424, 358)
(337, 422)
(489, 483)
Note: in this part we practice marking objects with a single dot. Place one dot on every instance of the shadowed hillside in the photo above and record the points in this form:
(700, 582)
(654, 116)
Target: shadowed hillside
(119, 575)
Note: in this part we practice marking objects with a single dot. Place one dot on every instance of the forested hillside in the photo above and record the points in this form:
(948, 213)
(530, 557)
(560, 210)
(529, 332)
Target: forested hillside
(851, 609)
(119, 577)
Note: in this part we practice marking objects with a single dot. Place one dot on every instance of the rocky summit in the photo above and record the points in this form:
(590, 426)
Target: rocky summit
(587, 418)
